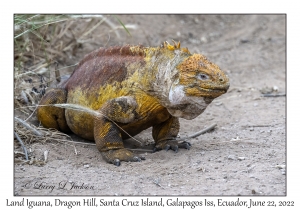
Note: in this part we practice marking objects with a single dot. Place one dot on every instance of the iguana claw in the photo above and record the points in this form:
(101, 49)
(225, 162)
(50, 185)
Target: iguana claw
(117, 162)
(116, 156)
(171, 144)
(185, 145)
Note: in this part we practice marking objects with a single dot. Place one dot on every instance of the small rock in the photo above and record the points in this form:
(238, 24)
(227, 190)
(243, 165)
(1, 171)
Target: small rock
(231, 157)
(203, 39)
(251, 129)
(266, 90)
(282, 171)
(86, 166)
(201, 169)
(255, 104)
(241, 158)
(280, 166)
(243, 41)
(218, 103)
(275, 88)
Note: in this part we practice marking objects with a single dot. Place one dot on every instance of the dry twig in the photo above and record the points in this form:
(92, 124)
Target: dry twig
(201, 132)
(25, 124)
(21, 142)
(273, 95)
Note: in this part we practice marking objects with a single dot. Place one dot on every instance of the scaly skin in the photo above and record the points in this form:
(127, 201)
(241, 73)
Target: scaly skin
(134, 88)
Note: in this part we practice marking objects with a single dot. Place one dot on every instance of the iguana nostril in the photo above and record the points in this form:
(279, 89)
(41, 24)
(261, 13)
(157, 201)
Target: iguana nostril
(221, 80)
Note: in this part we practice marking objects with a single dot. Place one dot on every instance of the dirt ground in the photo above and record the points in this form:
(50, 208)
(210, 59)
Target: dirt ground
(244, 155)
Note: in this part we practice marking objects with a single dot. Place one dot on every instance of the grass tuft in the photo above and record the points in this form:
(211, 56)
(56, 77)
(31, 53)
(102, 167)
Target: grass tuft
(45, 44)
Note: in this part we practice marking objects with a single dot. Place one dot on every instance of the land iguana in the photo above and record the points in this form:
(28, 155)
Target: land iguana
(134, 88)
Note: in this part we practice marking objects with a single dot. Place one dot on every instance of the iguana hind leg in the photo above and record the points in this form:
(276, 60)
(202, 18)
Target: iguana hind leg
(165, 133)
(107, 134)
(50, 116)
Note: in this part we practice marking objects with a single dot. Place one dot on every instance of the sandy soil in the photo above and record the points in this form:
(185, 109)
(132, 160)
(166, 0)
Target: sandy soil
(243, 155)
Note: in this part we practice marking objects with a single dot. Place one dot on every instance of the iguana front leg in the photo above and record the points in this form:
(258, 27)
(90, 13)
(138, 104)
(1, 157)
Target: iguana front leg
(107, 134)
(165, 133)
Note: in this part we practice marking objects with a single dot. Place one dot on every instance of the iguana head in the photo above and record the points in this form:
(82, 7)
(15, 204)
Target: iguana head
(199, 81)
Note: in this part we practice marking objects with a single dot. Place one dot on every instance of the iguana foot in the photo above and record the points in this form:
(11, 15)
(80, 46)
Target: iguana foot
(171, 144)
(116, 156)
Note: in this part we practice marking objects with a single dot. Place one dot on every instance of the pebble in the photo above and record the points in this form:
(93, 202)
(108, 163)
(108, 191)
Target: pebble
(203, 39)
(218, 103)
(86, 166)
(280, 166)
(231, 157)
(241, 158)
(244, 41)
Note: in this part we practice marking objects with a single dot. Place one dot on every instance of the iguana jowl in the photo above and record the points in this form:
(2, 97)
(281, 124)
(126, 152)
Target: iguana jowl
(134, 87)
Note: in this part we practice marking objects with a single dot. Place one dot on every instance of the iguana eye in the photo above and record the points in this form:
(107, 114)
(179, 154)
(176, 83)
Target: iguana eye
(203, 77)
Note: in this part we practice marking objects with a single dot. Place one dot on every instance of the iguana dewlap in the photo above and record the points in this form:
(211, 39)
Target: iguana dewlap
(134, 88)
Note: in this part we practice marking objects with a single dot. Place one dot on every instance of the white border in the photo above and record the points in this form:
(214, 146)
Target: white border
(154, 6)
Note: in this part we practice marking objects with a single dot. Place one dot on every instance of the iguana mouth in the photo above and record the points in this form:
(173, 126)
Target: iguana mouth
(200, 92)
(220, 89)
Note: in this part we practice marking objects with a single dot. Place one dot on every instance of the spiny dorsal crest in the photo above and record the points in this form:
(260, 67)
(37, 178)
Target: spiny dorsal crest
(175, 46)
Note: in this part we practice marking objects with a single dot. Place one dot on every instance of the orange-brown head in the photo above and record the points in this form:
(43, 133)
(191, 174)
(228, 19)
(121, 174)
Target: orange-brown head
(198, 83)
(202, 78)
